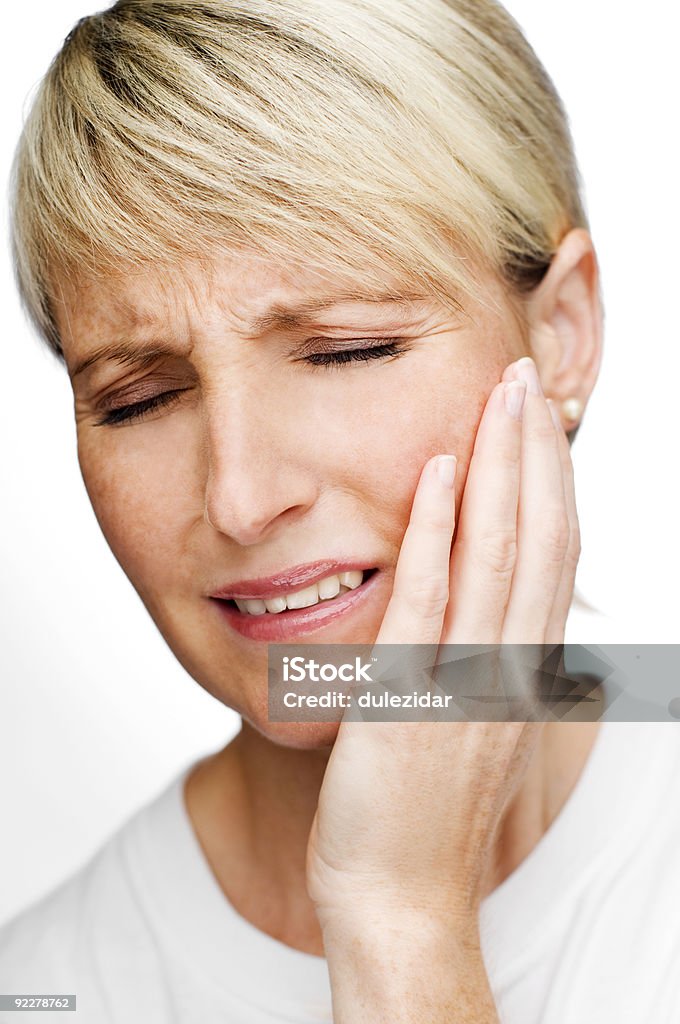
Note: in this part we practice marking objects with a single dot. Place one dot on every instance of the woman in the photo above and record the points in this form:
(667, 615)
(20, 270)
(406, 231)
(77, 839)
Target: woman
(313, 269)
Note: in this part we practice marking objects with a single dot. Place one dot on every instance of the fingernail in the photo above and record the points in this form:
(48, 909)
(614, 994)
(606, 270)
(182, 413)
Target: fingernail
(554, 413)
(526, 371)
(515, 393)
(446, 469)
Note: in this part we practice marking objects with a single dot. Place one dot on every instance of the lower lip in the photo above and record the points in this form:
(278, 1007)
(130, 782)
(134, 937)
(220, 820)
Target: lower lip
(296, 622)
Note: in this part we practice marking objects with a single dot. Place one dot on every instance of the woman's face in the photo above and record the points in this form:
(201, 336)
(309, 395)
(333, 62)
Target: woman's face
(262, 460)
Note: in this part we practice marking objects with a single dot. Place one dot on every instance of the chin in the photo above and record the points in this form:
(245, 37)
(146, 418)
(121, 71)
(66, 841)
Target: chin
(298, 735)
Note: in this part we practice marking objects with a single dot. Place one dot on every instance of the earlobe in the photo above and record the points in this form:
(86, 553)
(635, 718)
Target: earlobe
(565, 317)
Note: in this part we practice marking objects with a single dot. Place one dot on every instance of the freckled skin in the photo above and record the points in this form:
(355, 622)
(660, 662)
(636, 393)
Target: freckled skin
(265, 462)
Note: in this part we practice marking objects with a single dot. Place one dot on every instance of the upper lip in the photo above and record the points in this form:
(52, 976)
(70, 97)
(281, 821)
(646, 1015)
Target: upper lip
(294, 578)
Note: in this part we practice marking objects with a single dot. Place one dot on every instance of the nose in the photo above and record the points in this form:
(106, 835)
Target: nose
(256, 477)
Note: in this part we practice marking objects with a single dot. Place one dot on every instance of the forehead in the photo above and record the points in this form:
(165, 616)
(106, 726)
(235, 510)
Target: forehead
(253, 291)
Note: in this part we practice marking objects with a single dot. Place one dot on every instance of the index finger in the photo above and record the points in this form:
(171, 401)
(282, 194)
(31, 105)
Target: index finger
(415, 613)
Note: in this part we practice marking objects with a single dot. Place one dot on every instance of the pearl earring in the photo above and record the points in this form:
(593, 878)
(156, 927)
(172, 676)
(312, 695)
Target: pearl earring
(572, 409)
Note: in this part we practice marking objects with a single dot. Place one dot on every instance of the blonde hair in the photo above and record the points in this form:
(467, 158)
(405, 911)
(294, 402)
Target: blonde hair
(418, 138)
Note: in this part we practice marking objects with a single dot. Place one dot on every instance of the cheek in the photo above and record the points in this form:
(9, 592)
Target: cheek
(436, 410)
(140, 491)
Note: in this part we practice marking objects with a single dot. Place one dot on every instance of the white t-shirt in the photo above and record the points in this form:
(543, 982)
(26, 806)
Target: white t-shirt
(585, 931)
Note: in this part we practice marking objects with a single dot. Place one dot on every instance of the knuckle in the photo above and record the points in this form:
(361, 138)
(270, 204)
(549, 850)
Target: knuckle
(554, 533)
(574, 550)
(509, 456)
(571, 561)
(577, 548)
(436, 520)
(541, 431)
(427, 598)
(498, 551)
(575, 538)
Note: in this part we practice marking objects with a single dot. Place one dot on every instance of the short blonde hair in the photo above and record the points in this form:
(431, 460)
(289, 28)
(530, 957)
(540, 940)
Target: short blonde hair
(418, 138)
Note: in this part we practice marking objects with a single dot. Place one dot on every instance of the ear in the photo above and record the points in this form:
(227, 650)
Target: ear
(565, 321)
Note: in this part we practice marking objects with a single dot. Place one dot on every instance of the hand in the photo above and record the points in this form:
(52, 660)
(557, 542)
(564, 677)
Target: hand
(513, 568)
(408, 811)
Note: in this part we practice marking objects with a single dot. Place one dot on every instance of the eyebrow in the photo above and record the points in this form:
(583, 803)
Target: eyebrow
(278, 315)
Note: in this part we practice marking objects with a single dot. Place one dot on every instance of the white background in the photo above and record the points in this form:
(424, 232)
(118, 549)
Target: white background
(95, 714)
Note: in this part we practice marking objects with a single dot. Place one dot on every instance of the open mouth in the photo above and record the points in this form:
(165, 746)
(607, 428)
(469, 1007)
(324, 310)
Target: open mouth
(324, 592)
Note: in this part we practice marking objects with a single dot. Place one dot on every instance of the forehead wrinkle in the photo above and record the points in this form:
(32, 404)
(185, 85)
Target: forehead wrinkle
(128, 352)
(285, 316)
(279, 315)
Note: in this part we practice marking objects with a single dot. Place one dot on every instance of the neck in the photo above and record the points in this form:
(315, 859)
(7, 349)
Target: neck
(252, 806)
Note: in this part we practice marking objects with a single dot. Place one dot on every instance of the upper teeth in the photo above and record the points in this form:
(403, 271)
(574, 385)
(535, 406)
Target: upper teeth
(323, 590)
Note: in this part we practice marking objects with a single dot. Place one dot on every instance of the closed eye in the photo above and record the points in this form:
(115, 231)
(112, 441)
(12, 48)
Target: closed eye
(137, 410)
(338, 357)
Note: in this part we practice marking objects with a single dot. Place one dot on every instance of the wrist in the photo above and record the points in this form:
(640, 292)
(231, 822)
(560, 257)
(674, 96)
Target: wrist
(373, 914)
(402, 932)
(406, 966)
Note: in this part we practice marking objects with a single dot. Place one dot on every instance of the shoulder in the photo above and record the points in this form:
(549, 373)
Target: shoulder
(39, 941)
(91, 922)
